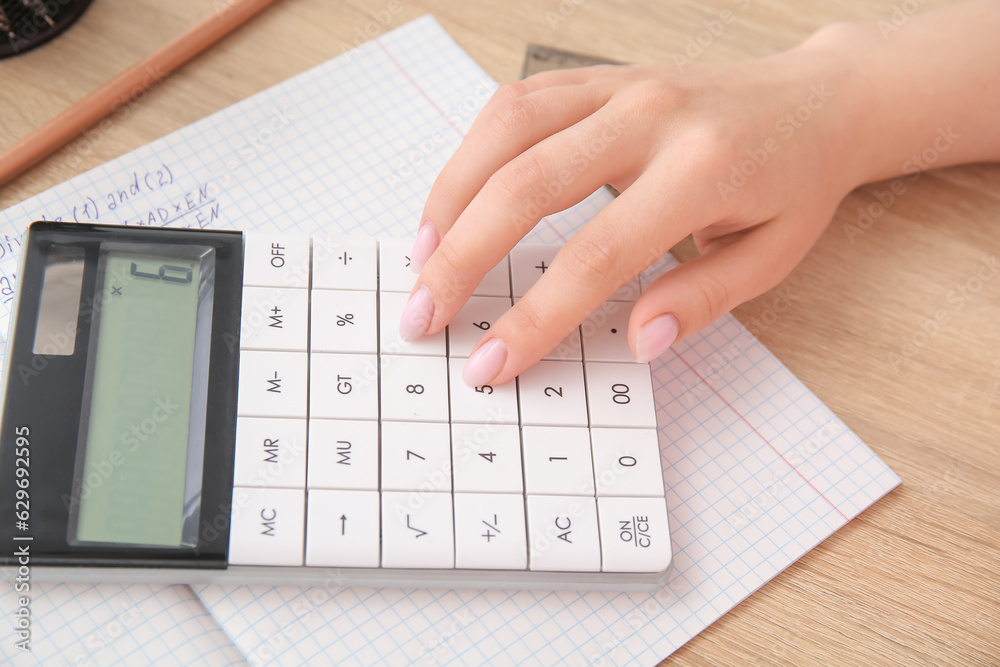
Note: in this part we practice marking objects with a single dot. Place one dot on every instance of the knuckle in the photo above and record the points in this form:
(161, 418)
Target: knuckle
(714, 297)
(521, 176)
(653, 96)
(591, 262)
(513, 116)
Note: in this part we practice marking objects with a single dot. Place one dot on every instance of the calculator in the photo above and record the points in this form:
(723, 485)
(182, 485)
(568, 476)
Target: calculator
(207, 406)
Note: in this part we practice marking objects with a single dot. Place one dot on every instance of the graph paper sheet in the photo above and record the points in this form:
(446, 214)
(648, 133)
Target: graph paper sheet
(759, 471)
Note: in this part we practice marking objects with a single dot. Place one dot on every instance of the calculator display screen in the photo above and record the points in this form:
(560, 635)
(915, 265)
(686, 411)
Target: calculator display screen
(139, 460)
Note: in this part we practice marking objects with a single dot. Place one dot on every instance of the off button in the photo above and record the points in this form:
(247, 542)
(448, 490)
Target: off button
(276, 260)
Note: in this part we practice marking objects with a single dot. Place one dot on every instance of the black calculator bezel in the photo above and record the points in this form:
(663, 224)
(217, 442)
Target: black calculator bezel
(50, 403)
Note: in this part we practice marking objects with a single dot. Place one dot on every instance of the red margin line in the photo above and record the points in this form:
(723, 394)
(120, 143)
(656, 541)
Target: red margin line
(738, 414)
(443, 114)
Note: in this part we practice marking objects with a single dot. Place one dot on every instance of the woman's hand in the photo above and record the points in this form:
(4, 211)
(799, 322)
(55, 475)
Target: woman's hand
(750, 158)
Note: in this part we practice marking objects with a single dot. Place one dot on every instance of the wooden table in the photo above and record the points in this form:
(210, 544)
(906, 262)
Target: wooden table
(916, 578)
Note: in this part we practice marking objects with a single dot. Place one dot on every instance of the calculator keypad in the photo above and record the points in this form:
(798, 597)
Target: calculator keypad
(355, 448)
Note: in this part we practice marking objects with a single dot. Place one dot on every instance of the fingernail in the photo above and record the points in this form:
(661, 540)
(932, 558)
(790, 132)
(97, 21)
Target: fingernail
(417, 314)
(656, 336)
(427, 241)
(485, 363)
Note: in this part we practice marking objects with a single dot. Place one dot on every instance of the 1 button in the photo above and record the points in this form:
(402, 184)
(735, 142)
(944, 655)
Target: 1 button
(272, 384)
(343, 454)
(417, 530)
(343, 321)
(552, 393)
(489, 531)
(267, 526)
(348, 264)
(276, 260)
(343, 386)
(635, 534)
(620, 395)
(627, 462)
(557, 461)
(274, 318)
(562, 534)
(486, 458)
(270, 453)
(342, 529)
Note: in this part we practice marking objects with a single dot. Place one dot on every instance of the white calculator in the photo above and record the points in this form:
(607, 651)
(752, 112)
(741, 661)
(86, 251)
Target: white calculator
(225, 407)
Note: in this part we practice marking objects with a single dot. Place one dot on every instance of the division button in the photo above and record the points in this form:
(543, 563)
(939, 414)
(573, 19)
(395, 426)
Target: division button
(342, 263)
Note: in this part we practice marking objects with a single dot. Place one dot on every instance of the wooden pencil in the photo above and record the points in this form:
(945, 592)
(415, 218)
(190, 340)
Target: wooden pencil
(120, 90)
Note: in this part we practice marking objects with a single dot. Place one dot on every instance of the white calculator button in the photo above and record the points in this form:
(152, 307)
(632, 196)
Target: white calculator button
(267, 526)
(620, 395)
(343, 321)
(527, 264)
(272, 384)
(496, 282)
(274, 318)
(414, 388)
(485, 404)
(562, 534)
(395, 274)
(416, 456)
(630, 291)
(627, 462)
(343, 454)
(343, 386)
(417, 530)
(390, 310)
(340, 263)
(489, 531)
(276, 260)
(635, 534)
(552, 393)
(474, 319)
(486, 458)
(270, 453)
(557, 461)
(605, 333)
(342, 528)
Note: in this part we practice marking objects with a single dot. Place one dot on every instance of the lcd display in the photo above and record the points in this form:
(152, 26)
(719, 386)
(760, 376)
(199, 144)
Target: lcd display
(142, 442)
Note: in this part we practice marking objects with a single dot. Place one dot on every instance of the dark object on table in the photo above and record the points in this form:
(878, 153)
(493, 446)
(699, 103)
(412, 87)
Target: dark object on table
(25, 24)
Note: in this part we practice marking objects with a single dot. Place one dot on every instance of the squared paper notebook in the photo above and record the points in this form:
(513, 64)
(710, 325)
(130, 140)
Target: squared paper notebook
(758, 470)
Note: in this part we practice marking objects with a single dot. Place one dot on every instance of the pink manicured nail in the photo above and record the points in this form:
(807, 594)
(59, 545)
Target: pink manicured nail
(485, 363)
(417, 314)
(427, 241)
(655, 337)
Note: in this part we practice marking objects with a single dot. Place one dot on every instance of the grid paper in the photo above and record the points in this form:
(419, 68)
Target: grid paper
(758, 470)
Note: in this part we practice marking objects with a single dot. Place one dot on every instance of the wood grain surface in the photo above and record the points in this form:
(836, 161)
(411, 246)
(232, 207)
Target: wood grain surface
(894, 328)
